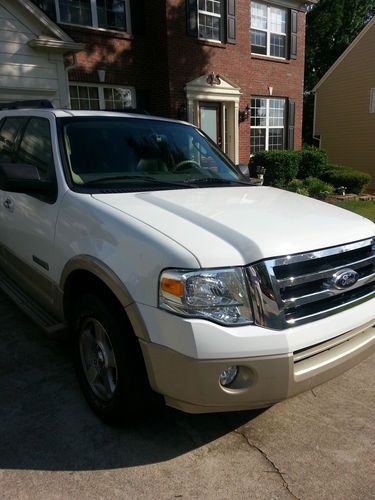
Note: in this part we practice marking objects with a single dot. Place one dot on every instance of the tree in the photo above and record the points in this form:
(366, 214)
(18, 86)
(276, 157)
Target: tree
(331, 26)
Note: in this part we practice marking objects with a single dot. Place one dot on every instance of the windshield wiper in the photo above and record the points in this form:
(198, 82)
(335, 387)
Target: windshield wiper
(145, 178)
(217, 180)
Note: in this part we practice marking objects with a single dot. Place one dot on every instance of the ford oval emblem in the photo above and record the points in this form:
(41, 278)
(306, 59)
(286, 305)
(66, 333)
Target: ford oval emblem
(344, 279)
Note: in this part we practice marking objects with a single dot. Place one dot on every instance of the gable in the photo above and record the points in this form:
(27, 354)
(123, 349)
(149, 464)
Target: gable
(212, 83)
(32, 55)
(29, 15)
(357, 41)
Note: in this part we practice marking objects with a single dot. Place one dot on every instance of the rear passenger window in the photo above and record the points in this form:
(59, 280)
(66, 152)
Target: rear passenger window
(8, 135)
(36, 148)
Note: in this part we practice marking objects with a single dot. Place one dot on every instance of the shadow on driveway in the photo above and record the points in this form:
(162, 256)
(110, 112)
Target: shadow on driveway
(46, 425)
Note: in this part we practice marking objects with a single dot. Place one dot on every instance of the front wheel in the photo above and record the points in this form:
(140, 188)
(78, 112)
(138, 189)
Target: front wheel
(109, 362)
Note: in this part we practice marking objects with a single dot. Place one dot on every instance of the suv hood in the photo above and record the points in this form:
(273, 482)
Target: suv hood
(229, 226)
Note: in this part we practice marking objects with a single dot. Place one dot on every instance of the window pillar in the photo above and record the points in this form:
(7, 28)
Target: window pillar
(94, 13)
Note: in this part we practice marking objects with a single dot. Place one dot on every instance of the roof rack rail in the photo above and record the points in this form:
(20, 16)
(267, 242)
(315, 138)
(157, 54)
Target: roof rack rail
(137, 111)
(35, 103)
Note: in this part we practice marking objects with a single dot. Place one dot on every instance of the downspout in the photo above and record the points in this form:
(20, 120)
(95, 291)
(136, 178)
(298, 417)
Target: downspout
(68, 68)
(315, 137)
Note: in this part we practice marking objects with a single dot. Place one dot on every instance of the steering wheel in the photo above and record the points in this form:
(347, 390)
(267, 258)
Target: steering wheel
(180, 164)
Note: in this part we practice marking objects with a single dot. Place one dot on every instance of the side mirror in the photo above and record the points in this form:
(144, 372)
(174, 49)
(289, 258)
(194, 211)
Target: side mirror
(23, 178)
(244, 170)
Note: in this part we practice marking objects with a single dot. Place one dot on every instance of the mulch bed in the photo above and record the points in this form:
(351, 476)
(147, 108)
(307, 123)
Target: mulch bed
(351, 197)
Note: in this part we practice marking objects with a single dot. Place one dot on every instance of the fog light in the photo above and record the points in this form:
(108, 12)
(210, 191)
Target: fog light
(228, 375)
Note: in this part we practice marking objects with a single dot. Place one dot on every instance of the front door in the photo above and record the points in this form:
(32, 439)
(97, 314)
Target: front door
(210, 121)
(27, 222)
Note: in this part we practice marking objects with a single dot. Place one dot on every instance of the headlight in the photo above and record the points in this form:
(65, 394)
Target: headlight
(216, 294)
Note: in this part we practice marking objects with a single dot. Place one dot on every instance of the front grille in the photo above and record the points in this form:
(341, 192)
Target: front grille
(297, 289)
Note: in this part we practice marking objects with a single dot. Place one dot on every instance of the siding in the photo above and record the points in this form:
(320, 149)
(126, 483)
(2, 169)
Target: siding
(342, 114)
(26, 73)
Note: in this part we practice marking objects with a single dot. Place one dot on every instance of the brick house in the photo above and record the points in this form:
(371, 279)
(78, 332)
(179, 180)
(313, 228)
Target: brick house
(232, 67)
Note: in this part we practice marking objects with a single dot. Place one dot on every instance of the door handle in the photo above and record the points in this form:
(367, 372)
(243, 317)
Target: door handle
(9, 204)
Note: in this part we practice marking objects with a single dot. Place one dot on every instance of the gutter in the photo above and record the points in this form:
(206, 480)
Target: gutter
(66, 47)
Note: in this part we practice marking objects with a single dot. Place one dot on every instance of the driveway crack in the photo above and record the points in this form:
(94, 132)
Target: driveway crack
(273, 465)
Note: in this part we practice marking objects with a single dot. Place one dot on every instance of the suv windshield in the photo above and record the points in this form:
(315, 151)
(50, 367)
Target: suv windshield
(121, 152)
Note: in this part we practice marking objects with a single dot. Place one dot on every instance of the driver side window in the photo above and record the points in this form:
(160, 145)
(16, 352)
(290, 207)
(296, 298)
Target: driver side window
(9, 131)
(36, 147)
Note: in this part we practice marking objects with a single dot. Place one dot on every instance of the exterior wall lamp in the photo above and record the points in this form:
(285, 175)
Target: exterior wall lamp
(244, 115)
(182, 112)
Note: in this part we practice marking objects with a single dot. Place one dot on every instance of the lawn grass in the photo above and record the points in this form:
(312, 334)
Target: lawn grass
(364, 208)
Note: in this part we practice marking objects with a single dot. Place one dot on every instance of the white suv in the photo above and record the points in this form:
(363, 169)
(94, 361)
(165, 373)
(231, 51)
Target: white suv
(170, 270)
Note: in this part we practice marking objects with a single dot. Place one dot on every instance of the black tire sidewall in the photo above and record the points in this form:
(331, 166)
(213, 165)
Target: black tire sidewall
(131, 396)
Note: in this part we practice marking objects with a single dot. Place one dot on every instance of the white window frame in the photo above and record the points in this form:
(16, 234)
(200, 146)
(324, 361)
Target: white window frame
(94, 18)
(268, 30)
(267, 127)
(210, 14)
(372, 100)
(101, 93)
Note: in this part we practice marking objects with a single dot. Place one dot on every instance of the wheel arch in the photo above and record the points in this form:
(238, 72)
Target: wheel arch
(87, 273)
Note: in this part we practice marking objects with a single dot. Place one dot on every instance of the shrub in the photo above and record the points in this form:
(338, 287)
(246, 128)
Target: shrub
(297, 186)
(281, 166)
(318, 188)
(311, 187)
(312, 162)
(304, 191)
(353, 180)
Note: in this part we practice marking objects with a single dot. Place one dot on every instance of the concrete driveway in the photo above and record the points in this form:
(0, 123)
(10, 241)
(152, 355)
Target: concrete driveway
(318, 445)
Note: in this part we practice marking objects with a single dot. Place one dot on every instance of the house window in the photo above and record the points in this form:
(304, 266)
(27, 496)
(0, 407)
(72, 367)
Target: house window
(372, 101)
(47, 6)
(209, 19)
(268, 119)
(75, 12)
(212, 20)
(269, 28)
(101, 97)
(112, 14)
(108, 14)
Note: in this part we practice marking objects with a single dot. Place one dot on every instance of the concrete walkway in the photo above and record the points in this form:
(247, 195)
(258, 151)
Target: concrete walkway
(318, 445)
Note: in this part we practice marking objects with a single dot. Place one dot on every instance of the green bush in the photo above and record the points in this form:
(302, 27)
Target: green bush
(353, 180)
(311, 187)
(297, 186)
(318, 188)
(281, 166)
(294, 185)
(312, 162)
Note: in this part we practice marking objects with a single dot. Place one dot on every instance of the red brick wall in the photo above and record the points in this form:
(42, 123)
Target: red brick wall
(190, 58)
(139, 61)
(160, 62)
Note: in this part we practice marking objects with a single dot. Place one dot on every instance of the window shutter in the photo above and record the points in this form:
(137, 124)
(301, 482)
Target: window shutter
(143, 101)
(192, 17)
(223, 29)
(137, 16)
(291, 123)
(293, 33)
(231, 21)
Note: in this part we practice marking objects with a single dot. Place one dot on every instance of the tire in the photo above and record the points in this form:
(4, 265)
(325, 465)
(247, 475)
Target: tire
(109, 362)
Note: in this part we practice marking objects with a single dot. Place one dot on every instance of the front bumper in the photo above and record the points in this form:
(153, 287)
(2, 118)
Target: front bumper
(192, 385)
